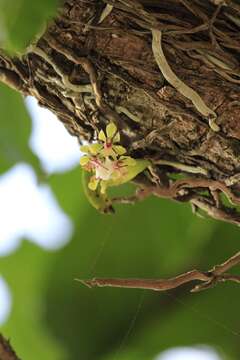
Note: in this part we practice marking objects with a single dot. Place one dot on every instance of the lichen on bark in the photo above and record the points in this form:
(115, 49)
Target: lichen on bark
(95, 64)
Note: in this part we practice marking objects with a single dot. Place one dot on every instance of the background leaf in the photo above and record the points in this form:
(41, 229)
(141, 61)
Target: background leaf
(21, 20)
(15, 130)
(26, 273)
(62, 319)
(138, 241)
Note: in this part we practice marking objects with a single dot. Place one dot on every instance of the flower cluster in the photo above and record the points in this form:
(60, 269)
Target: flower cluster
(106, 159)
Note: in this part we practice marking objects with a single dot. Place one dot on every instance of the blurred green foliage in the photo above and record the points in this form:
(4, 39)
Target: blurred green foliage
(61, 319)
(21, 20)
(54, 316)
(15, 130)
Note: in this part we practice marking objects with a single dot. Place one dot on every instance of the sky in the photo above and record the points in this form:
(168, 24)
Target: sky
(30, 210)
(40, 219)
(57, 150)
(189, 353)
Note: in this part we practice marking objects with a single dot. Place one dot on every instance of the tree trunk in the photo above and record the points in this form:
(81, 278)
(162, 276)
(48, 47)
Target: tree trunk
(6, 350)
(166, 72)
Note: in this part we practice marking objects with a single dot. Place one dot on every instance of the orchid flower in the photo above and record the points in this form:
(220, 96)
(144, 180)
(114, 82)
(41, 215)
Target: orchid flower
(107, 161)
(109, 139)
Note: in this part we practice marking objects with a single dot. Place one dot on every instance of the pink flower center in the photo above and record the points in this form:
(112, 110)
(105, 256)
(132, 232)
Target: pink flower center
(108, 145)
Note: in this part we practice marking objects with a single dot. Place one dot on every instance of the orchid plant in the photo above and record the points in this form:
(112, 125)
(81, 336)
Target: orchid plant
(107, 161)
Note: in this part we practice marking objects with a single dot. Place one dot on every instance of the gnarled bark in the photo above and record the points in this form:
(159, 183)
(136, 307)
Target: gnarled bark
(166, 72)
(6, 350)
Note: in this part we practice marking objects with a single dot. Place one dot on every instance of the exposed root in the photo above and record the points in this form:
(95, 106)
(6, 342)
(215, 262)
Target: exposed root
(191, 189)
(64, 78)
(107, 10)
(183, 167)
(179, 84)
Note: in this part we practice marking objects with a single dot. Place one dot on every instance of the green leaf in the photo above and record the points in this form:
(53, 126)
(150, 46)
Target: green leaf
(201, 319)
(21, 20)
(15, 129)
(26, 272)
(155, 238)
(152, 239)
(183, 319)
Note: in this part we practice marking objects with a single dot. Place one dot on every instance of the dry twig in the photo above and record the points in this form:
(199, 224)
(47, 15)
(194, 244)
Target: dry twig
(208, 278)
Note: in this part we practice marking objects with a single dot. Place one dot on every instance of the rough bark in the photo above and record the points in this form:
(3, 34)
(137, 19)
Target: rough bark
(96, 63)
(6, 350)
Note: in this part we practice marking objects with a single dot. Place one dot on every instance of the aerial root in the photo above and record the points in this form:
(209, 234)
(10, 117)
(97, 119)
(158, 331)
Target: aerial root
(174, 80)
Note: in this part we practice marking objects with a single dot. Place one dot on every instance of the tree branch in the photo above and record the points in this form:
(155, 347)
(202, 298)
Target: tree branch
(209, 279)
(6, 351)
